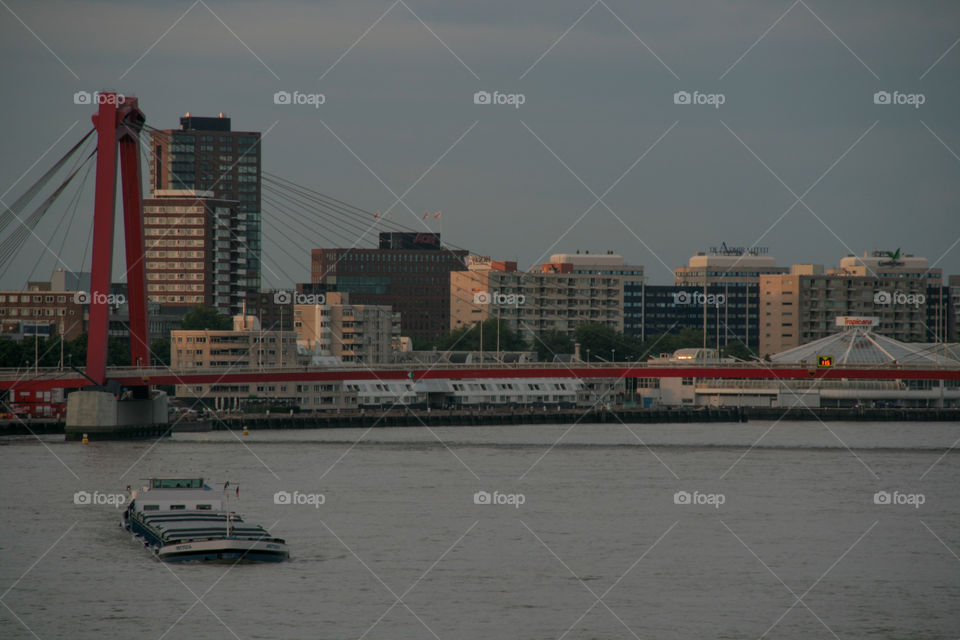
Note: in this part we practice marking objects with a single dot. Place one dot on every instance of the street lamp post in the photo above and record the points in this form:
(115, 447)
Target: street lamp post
(498, 334)
(481, 341)
(718, 330)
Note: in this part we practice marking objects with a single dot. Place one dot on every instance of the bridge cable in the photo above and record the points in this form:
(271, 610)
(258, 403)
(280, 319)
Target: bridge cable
(12, 244)
(277, 219)
(310, 209)
(13, 210)
(302, 218)
(73, 205)
(341, 206)
(76, 205)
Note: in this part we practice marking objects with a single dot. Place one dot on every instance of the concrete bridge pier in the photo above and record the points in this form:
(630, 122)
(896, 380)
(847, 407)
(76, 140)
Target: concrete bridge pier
(101, 416)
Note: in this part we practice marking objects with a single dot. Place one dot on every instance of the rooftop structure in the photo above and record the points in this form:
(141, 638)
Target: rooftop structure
(888, 264)
(860, 345)
(726, 265)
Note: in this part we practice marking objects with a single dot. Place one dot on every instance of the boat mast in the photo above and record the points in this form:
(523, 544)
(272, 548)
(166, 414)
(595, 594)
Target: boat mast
(226, 495)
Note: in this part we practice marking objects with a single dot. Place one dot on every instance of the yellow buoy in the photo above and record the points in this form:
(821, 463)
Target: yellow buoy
(85, 439)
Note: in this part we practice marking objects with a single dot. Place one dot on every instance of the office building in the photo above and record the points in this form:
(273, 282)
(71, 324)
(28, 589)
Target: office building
(409, 272)
(723, 313)
(717, 294)
(206, 155)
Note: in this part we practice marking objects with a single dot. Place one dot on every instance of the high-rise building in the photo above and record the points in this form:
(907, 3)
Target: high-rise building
(569, 290)
(410, 272)
(904, 293)
(204, 154)
(193, 253)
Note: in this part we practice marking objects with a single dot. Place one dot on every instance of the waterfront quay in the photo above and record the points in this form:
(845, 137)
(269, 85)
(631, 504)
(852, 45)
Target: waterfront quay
(404, 417)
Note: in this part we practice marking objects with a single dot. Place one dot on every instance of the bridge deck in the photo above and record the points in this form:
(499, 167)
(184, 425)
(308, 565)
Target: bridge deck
(45, 379)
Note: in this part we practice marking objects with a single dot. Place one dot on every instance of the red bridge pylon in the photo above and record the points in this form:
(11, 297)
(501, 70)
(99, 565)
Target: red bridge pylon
(118, 123)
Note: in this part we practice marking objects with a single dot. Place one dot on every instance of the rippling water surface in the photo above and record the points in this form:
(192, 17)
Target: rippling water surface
(787, 539)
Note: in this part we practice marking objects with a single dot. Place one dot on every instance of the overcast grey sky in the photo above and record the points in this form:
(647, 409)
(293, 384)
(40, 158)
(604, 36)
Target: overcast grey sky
(598, 80)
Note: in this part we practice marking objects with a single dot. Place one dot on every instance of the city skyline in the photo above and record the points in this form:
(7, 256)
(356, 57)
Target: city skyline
(567, 319)
(801, 154)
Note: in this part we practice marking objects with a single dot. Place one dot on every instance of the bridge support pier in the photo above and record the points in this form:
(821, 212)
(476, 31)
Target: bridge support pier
(103, 417)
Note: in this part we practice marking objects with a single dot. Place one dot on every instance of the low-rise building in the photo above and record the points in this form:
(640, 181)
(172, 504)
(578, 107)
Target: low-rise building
(246, 346)
(855, 344)
(42, 313)
(351, 333)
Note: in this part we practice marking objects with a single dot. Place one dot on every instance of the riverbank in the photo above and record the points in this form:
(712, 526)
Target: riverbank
(473, 417)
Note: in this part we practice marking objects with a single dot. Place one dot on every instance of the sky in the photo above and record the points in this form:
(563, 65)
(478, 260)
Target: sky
(653, 130)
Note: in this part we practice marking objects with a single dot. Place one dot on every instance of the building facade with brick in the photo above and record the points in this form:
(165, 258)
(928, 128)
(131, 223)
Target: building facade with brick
(410, 272)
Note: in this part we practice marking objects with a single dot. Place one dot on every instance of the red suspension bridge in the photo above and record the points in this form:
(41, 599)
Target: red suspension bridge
(118, 124)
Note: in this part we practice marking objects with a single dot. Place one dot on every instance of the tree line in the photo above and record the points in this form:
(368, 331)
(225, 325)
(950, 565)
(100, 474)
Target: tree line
(598, 342)
(45, 351)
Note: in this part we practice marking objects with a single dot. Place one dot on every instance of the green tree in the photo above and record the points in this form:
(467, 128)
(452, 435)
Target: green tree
(551, 343)
(118, 353)
(160, 352)
(11, 353)
(600, 342)
(200, 318)
(738, 350)
(468, 338)
(670, 342)
(75, 351)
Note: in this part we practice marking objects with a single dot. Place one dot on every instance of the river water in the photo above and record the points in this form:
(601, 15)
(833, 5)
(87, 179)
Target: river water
(593, 531)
